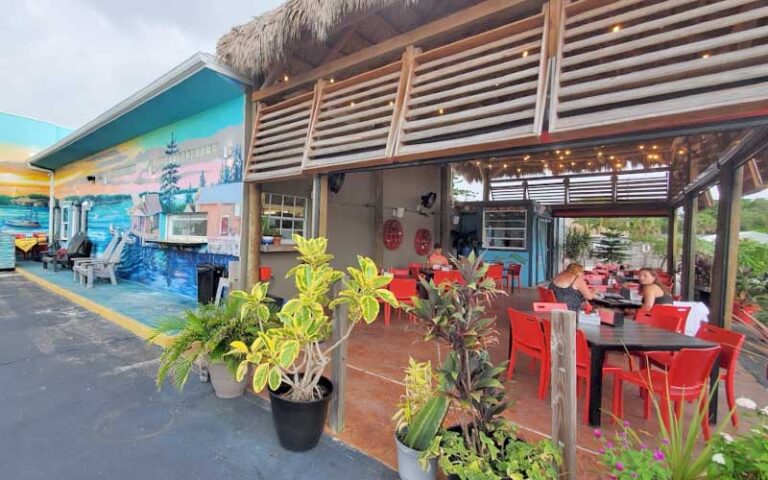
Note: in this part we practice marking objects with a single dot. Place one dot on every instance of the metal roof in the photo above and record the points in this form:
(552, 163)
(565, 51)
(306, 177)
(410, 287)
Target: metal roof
(195, 85)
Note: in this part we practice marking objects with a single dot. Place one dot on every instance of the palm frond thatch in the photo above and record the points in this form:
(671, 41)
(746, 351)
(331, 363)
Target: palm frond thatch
(254, 47)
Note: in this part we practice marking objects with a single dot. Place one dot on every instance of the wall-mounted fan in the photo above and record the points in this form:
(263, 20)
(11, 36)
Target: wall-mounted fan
(426, 203)
(335, 182)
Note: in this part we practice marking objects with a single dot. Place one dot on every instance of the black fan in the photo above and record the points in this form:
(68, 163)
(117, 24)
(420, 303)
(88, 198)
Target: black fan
(335, 182)
(428, 200)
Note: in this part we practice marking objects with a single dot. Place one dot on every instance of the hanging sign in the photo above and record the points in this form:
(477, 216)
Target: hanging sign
(423, 241)
(393, 234)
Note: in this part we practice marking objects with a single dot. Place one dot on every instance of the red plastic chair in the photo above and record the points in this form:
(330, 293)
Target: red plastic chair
(584, 368)
(686, 380)
(672, 323)
(496, 272)
(730, 343)
(513, 274)
(528, 338)
(546, 295)
(415, 269)
(404, 290)
(400, 272)
(548, 306)
(265, 274)
(680, 312)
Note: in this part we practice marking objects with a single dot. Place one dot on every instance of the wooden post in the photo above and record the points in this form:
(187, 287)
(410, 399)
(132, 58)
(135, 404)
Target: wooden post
(671, 245)
(688, 278)
(446, 205)
(319, 206)
(485, 174)
(725, 263)
(563, 350)
(338, 366)
(254, 233)
(378, 217)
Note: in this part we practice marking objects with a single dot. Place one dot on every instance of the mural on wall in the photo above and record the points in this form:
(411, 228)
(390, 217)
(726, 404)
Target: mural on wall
(176, 191)
(24, 192)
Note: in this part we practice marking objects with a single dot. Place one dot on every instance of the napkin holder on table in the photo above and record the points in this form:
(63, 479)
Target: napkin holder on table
(611, 318)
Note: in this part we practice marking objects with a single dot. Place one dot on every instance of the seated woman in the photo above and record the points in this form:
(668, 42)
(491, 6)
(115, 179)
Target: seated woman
(570, 288)
(653, 291)
(437, 257)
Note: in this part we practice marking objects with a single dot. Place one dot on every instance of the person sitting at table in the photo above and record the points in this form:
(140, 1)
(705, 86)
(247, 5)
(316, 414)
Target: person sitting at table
(437, 257)
(570, 288)
(652, 290)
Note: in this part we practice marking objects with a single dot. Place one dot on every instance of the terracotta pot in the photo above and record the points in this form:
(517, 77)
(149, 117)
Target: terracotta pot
(276, 241)
(224, 383)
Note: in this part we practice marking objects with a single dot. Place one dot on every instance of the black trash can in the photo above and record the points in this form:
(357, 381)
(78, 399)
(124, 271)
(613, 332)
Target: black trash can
(208, 275)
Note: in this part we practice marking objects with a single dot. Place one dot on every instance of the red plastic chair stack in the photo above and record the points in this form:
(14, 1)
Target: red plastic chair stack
(513, 274)
(404, 290)
(528, 339)
(730, 343)
(546, 295)
(686, 380)
(548, 306)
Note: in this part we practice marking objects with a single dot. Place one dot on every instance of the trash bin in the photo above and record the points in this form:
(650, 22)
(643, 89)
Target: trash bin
(208, 275)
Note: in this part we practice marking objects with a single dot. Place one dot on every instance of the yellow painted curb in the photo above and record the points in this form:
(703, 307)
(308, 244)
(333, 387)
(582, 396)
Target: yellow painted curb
(128, 323)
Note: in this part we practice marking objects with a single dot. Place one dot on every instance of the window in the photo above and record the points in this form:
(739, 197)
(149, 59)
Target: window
(505, 228)
(65, 213)
(187, 227)
(285, 214)
(224, 226)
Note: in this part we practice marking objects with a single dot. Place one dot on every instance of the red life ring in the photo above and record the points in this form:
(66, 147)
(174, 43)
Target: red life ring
(393, 234)
(423, 241)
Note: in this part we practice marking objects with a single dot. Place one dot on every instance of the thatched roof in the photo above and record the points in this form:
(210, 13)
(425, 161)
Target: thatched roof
(265, 41)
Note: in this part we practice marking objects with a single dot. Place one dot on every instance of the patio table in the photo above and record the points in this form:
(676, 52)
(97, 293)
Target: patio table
(617, 303)
(633, 336)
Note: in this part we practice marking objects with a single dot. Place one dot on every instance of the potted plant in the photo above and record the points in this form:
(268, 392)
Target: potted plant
(290, 357)
(267, 233)
(204, 334)
(483, 444)
(419, 416)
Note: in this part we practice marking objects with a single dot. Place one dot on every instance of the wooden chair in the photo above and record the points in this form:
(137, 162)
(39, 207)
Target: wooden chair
(102, 268)
(105, 255)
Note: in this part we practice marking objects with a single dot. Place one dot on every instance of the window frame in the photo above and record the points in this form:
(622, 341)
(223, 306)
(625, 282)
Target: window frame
(224, 232)
(172, 217)
(524, 228)
(66, 217)
(287, 238)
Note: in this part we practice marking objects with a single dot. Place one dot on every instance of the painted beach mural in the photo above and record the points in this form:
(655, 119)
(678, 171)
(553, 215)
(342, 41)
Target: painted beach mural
(24, 192)
(176, 192)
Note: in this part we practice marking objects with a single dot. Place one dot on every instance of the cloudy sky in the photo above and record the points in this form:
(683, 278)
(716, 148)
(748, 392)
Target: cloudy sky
(67, 61)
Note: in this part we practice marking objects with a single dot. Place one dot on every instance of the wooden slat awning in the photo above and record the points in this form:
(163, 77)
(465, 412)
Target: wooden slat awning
(595, 67)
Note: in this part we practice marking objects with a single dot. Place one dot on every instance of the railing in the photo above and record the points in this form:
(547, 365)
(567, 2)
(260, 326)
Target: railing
(626, 187)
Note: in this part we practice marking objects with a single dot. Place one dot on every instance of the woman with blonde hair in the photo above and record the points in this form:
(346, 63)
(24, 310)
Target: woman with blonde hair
(653, 291)
(570, 288)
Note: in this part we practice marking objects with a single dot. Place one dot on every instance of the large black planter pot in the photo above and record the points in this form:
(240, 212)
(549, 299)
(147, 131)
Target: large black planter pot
(299, 425)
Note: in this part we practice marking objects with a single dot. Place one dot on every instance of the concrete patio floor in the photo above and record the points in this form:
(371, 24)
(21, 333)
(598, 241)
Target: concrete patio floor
(377, 357)
(78, 402)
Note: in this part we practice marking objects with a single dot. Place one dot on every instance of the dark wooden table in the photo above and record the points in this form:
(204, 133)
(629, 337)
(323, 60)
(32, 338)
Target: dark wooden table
(617, 303)
(634, 336)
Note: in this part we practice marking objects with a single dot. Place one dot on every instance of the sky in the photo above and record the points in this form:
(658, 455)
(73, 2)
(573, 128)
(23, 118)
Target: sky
(67, 61)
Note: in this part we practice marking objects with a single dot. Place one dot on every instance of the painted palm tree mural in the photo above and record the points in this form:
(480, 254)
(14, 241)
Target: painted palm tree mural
(176, 190)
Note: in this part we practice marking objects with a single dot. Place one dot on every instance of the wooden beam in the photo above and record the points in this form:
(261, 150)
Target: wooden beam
(486, 179)
(377, 178)
(446, 205)
(338, 367)
(563, 354)
(725, 262)
(254, 233)
(671, 225)
(688, 277)
(401, 100)
(485, 9)
(322, 222)
(754, 174)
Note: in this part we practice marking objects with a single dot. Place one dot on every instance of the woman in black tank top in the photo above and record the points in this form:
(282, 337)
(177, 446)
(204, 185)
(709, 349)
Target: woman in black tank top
(570, 288)
(654, 292)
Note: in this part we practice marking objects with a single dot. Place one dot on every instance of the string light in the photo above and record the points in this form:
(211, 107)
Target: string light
(705, 56)
(525, 158)
(477, 163)
(441, 111)
(573, 164)
(599, 154)
(332, 80)
(567, 152)
(681, 151)
(525, 53)
(616, 28)
(642, 147)
(352, 104)
(505, 165)
(589, 164)
(612, 157)
(519, 170)
(391, 103)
